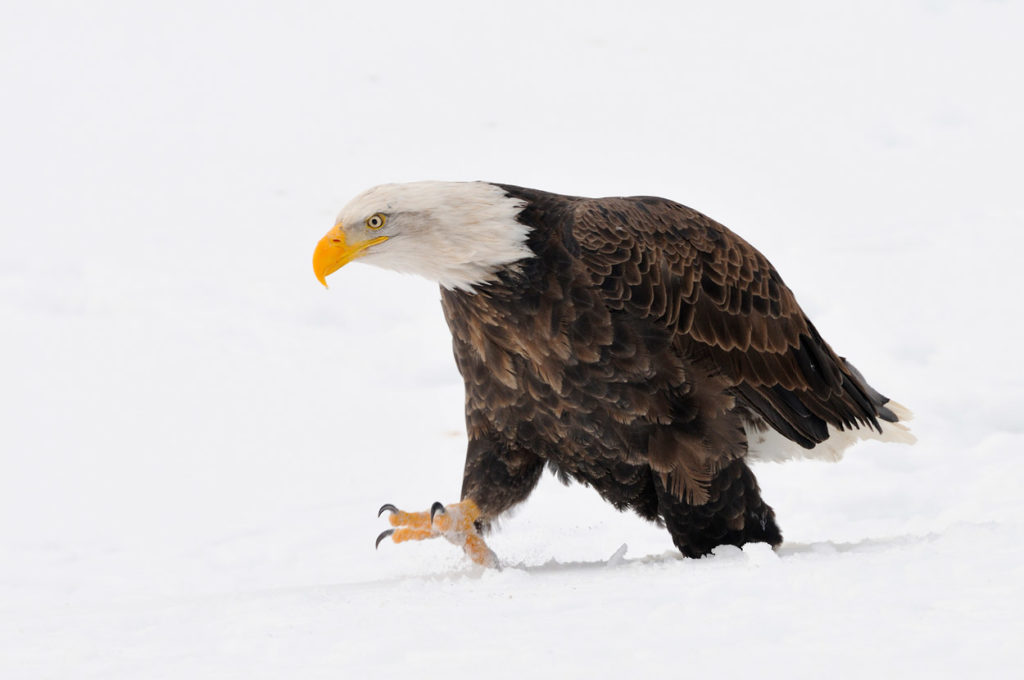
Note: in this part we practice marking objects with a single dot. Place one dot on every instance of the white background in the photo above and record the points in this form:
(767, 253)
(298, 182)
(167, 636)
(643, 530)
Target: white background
(195, 436)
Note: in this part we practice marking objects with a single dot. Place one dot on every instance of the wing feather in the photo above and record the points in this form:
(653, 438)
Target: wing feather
(728, 308)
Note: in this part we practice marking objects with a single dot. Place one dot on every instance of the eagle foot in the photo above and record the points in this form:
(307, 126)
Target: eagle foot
(456, 522)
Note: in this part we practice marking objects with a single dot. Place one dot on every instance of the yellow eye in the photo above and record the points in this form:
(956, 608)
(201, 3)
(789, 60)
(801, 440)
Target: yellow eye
(376, 221)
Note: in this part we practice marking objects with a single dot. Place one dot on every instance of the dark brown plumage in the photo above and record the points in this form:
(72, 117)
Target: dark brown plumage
(629, 353)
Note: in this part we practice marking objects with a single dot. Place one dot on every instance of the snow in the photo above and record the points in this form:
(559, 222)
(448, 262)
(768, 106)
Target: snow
(195, 436)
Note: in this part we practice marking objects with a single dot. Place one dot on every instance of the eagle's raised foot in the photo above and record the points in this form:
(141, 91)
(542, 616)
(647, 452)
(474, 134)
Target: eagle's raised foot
(455, 522)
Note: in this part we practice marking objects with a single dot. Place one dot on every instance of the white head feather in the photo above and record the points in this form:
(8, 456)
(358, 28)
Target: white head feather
(456, 233)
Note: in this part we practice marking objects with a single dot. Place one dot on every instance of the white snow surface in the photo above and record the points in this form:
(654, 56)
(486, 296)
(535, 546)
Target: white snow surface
(195, 436)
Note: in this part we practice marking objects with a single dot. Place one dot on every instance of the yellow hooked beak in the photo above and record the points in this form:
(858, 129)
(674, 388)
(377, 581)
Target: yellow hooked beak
(333, 253)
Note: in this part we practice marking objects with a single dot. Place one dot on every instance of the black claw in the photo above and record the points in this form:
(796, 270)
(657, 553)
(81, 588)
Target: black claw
(434, 509)
(388, 507)
(383, 535)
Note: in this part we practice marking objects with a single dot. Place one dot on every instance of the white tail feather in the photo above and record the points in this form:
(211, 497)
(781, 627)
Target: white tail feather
(768, 445)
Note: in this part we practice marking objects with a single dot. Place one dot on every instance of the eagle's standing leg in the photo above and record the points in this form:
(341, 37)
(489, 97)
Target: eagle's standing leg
(733, 515)
(498, 474)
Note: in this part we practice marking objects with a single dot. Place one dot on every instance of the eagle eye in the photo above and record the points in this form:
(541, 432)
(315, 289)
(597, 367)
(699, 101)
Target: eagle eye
(376, 221)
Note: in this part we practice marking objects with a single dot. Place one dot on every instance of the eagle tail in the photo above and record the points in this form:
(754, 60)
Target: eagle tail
(767, 444)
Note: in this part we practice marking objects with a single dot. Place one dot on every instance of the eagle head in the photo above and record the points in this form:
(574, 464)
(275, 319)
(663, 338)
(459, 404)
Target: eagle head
(455, 233)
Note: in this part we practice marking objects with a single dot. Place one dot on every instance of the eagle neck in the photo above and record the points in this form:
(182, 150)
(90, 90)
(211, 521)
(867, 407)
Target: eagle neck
(516, 290)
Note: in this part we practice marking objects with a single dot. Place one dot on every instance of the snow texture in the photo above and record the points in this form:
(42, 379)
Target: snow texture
(195, 436)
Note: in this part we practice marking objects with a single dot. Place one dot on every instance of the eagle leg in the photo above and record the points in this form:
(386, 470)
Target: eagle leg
(456, 522)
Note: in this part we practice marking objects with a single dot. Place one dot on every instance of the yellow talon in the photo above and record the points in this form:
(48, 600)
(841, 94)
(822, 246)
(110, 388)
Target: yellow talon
(455, 522)
(419, 520)
(410, 534)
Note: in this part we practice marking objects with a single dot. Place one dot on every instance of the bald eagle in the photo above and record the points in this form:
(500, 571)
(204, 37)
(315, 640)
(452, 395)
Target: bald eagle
(631, 344)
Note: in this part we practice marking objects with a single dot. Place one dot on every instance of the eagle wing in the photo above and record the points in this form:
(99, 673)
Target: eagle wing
(729, 310)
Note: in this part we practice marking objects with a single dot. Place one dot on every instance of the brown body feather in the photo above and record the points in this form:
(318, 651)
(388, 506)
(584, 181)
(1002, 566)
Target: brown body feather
(630, 353)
